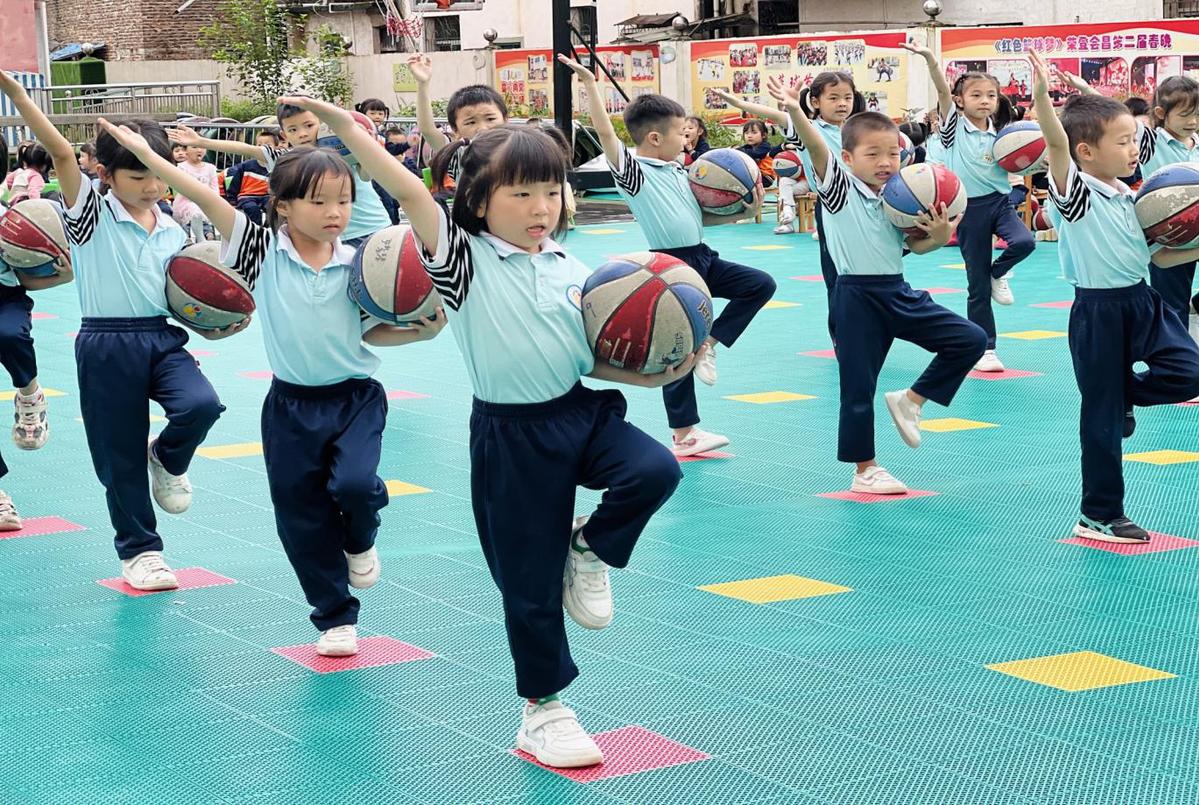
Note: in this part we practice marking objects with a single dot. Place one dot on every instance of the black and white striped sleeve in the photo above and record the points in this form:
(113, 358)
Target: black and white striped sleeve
(791, 136)
(452, 170)
(834, 189)
(270, 155)
(1076, 202)
(627, 174)
(1146, 143)
(449, 266)
(246, 251)
(81, 219)
(949, 128)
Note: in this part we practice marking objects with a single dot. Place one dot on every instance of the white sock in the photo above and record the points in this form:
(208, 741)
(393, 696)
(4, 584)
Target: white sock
(30, 397)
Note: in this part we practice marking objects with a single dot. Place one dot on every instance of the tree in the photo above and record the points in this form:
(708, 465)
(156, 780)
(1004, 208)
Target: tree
(251, 38)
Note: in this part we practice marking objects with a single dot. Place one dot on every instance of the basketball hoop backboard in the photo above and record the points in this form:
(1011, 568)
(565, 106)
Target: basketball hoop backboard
(433, 6)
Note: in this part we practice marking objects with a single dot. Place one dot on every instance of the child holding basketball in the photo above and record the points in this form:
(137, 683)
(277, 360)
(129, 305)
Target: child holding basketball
(1116, 320)
(873, 304)
(126, 352)
(656, 188)
(536, 432)
(972, 113)
(323, 418)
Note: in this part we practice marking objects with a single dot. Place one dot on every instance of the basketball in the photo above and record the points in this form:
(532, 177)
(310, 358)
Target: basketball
(921, 188)
(723, 181)
(389, 281)
(33, 238)
(325, 138)
(1168, 206)
(1041, 222)
(645, 312)
(787, 165)
(907, 150)
(1020, 148)
(204, 294)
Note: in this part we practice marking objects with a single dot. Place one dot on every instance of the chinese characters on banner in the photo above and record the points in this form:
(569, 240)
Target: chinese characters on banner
(525, 78)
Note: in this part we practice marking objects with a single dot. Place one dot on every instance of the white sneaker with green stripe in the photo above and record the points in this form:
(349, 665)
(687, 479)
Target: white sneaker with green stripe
(551, 733)
(586, 591)
(1119, 529)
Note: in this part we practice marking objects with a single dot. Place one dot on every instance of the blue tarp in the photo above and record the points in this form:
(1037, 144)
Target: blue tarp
(74, 51)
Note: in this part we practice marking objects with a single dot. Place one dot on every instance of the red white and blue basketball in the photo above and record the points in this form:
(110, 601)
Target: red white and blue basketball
(203, 293)
(326, 138)
(33, 239)
(723, 181)
(1019, 148)
(1168, 205)
(787, 165)
(920, 189)
(907, 150)
(645, 312)
(389, 281)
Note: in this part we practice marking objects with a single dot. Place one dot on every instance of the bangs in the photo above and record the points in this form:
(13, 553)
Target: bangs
(114, 156)
(529, 160)
(300, 174)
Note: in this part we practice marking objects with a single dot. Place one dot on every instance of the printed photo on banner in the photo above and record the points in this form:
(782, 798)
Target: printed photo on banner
(746, 82)
(615, 64)
(743, 55)
(714, 101)
(849, 52)
(1014, 77)
(643, 65)
(811, 54)
(1149, 71)
(711, 70)
(1108, 74)
(776, 56)
(539, 71)
(875, 101)
(884, 68)
(539, 100)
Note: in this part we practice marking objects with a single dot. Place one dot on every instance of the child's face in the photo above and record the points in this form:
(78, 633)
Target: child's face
(195, 154)
(524, 214)
(875, 157)
(835, 103)
(377, 116)
(690, 130)
(1116, 154)
(979, 98)
(138, 190)
(179, 153)
(263, 140)
(85, 162)
(301, 129)
(470, 120)
(665, 142)
(753, 136)
(1181, 121)
(323, 214)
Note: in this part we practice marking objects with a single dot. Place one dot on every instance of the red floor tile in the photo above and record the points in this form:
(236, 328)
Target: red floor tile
(397, 394)
(372, 653)
(39, 526)
(859, 497)
(190, 578)
(1006, 374)
(705, 456)
(628, 750)
(1158, 543)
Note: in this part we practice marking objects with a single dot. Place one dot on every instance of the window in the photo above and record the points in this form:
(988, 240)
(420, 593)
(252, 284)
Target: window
(443, 32)
(583, 20)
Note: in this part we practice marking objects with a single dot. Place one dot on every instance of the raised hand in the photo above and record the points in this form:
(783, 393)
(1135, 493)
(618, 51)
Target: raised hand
(327, 112)
(183, 135)
(421, 67)
(919, 50)
(584, 73)
(127, 137)
(782, 92)
(1040, 71)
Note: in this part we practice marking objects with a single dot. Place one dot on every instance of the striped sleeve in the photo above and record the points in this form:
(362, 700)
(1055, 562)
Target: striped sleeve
(83, 217)
(455, 165)
(1076, 202)
(1146, 143)
(627, 174)
(270, 155)
(791, 136)
(246, 251)
(949, 128)
(449, 266)
(834, 190)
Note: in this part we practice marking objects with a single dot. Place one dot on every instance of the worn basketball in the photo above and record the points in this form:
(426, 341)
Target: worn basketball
(389, 281)
(33, 238)
(203, 293)
(907, 150)
(1020, 148)
(1167, 206)
(921, 188)
(723, 181)
(645, 312)
(787, 165)
(326, 138)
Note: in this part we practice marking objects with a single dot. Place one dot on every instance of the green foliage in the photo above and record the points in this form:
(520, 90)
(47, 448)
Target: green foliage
(243, 110)
(251, 38)
(326, 76)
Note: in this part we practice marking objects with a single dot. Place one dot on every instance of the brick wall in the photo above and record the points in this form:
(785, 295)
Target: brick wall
(132, 29)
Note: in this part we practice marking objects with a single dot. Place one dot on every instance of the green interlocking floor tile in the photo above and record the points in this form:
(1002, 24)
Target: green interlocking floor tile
(1040, 768)
(920, 783)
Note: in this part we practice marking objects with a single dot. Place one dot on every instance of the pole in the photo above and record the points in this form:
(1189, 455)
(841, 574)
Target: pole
(563, 101)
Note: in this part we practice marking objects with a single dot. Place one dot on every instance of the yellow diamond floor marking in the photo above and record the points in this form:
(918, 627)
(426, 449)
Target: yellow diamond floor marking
(240, 450)
(955, 266)
(1162, 457)
(767, 247)
(952, 423)
(8, 395)
(775, 304)
(397, 488)
(775, 588)
(601, 231)
(1034, 335)
(1080, 670)
(764, 397)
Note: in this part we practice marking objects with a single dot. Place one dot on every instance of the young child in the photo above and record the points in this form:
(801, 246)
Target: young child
(323, 418)
(126, 352)
(1117, 320)
(248, 182)
(185, 211)
(29, 179)
(376, 110)
(873, 304)
(536, 432)
(695, 139)
(655, 187)
(87, 160)
(759, 149)
(972, 114)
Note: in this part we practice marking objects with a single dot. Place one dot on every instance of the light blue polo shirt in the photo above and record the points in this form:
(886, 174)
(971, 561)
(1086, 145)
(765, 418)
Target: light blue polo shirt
(858, 234)
(1100, 243)
(966, 150)
(367, 216)
(832, 138)
(311, 328)
(659, 196)
(120, 269)
(517, 317)
(1159, 148)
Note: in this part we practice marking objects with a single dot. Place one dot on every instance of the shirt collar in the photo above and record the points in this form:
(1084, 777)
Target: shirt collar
(863, 188)
(119, 212)
(1105, 189)
(990, 129)
(505, 249)
(1170, 138)
(674, 163)
(343, 255)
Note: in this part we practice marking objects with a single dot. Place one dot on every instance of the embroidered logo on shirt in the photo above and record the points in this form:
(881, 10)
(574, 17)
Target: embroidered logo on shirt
(575, 294)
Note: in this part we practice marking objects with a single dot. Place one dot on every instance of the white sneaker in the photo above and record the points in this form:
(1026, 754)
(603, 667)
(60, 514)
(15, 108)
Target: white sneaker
(1001, 291)
(786, 222)
(148, 571)
(364, 568)
(906, 415)
(697, 441)
(989, 362)
(877, 481)
(340, 641)
(586, 590)
(30, 428)
(9, 519)
(705, 366)
(551, 733)
(172, 493)
(815, 235)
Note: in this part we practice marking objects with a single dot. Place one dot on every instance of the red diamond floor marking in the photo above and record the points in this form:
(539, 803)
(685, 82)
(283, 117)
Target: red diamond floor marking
(822, 353)
(1064, 305)
(38, 526)
(810, 278)
(628, 750)
(861, 497)
(190, 578)
(397, 394)
(1006, 374)
(201, 353)
(1157, 544)
(703, 456)
(944, 290)
(260, 374)
(1189, 403)
(372, 652)
(72, 334)
(40, 315)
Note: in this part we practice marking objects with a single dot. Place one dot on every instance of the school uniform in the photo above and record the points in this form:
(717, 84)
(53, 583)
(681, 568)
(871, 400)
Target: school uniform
(16, 327)
(832, 139)
(536, 434)
(873, 305)
(1157, 150)
(966, 150)
(127, 354)
(368, 214)
(1116, 320)
(323, 418)
(659, 196)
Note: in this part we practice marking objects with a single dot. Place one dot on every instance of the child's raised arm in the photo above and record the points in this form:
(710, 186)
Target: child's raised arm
(1057, 144)
(613, 147)
(1071, 80)
(70, 176)
(422, 71)
(776, 116)
(185, 135)
(807, 133)
(944, 98)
